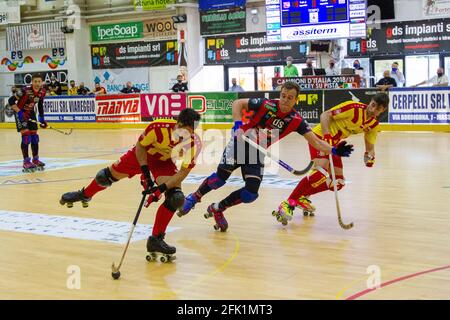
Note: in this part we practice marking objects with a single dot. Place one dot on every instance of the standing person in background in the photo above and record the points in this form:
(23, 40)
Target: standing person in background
(332, 70)
(235, 87)
(440, 80)
(180, 86)
(73, 89)
(397, 75)
(129, 88)
(99, 90)
(290, 70)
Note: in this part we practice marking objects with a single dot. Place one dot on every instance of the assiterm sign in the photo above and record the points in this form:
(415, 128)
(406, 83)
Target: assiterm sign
(117, 31)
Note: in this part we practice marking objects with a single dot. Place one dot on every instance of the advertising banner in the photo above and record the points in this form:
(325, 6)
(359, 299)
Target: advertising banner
(140, 5)
(9, 14)
(320, 82)
(419, 106)
(334, 97)
(24, 79)
(161, 29)
(433, 8)
(35, 36)
(134, 54)
(220, 4)
(222, 21)
(118, 108)
(251, 47)
(162, 105)
(69, 108)
(114, 80)
(408, 37)
(214, 107)
(117, 31)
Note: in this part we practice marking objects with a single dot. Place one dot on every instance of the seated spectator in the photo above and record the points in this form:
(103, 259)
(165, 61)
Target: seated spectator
(180, 86)
(332, 70)
(235, 87)
(439, 80)
(386, 82)
(54, 86)
(129, 88)
(99, 90)
(73, 89)
(82, 90)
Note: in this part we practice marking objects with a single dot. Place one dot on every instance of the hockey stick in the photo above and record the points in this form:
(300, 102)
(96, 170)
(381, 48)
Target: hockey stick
(333, 176)
(116, 270)
(280, 162)
(57, 130)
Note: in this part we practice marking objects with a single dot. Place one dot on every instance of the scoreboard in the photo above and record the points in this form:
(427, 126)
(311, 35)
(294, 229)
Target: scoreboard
(301, 20)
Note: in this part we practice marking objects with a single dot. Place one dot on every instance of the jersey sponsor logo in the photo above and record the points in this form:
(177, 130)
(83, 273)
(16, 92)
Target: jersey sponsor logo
(271, 106)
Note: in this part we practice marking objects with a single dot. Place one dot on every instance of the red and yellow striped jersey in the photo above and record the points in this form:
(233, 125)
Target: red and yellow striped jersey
(163, 142)
(350, 118)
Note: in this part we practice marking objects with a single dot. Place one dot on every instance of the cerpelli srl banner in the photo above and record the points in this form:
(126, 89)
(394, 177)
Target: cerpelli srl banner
(69, 109)
(419, 106)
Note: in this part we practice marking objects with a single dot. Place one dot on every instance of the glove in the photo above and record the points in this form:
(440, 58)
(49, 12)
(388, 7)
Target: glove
(42, 123)
(331, 140)
(342, 149)
(369, 160)
(155, 194)
(20, 115)
(147, 182)
(237, 125)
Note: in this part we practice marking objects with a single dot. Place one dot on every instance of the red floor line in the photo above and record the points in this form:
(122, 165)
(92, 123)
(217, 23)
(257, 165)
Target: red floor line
(367, 291)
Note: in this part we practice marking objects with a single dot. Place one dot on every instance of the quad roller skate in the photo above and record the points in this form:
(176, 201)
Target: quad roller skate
(70, 197)
(158, 249)
(285, 211)
(40, 166)
(305, 204)
(189, 204)
(221, 222)
(28, 166)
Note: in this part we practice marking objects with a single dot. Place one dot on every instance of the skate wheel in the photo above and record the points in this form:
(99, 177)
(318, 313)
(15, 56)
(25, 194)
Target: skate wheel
(312, 214)
(85, 204)
(305, 213)
(62, 202)
(172, 258)
(148, 258)
(207, 215)
(216, 227)
(163, 259)
(274, 213)
(180, 214)
(115, 275)
(69, 205)
(284, 222)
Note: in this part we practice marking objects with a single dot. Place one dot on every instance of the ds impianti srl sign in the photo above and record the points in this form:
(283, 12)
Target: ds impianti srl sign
(117, 31)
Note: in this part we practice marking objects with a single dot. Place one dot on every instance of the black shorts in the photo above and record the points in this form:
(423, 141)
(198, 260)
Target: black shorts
(26, 125)
(241, 154)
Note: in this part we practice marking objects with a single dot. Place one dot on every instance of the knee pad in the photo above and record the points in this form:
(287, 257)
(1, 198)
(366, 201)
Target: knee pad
(34, 139)
(26, 140)
(174, 199)
(340, 183)
(247, 196)
(104, 178)
(318, 177)
(215, 182)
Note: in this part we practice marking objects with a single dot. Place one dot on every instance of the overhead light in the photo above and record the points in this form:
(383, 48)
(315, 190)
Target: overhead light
(179, 19)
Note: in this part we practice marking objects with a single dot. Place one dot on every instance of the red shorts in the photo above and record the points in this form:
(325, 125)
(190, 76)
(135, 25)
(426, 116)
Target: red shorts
(316, 154)
(129, 165)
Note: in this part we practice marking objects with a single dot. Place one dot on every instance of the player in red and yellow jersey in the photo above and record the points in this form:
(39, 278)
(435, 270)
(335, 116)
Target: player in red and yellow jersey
(338, 123)
(162, 143)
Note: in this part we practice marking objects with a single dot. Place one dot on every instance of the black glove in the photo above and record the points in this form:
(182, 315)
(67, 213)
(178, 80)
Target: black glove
(147, 183)
(342, 149)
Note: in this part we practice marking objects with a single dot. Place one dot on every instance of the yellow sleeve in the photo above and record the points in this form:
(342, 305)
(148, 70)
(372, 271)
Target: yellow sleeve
(343, 111)
(148, 137)
(371, 136)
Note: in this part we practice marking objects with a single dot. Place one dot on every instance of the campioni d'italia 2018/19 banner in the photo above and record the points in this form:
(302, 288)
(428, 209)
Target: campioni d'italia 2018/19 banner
(419, 106)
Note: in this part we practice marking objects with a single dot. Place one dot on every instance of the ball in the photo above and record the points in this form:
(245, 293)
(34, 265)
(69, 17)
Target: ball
(116, 275)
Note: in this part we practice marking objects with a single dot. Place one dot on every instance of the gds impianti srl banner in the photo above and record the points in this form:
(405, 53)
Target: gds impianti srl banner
(69, 108)
(419, 106)
(117, 31)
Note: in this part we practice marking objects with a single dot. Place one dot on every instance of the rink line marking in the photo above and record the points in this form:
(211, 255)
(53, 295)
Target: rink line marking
(387, 283)
(7, 183)
(73, 227)
(172, 294)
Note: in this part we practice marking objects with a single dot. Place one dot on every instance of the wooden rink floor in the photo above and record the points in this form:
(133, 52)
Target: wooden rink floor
(400, 208)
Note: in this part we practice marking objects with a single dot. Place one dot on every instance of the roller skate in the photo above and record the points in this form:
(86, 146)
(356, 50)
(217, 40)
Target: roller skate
(221, 222)
(40, 166)
(304, 204)
(189, 204)
(285, 211)
(70, 197)
(158, 249)
(28, 166)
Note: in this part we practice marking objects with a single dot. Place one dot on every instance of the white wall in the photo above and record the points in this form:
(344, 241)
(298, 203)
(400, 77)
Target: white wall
(209, 79)
(162, 78)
